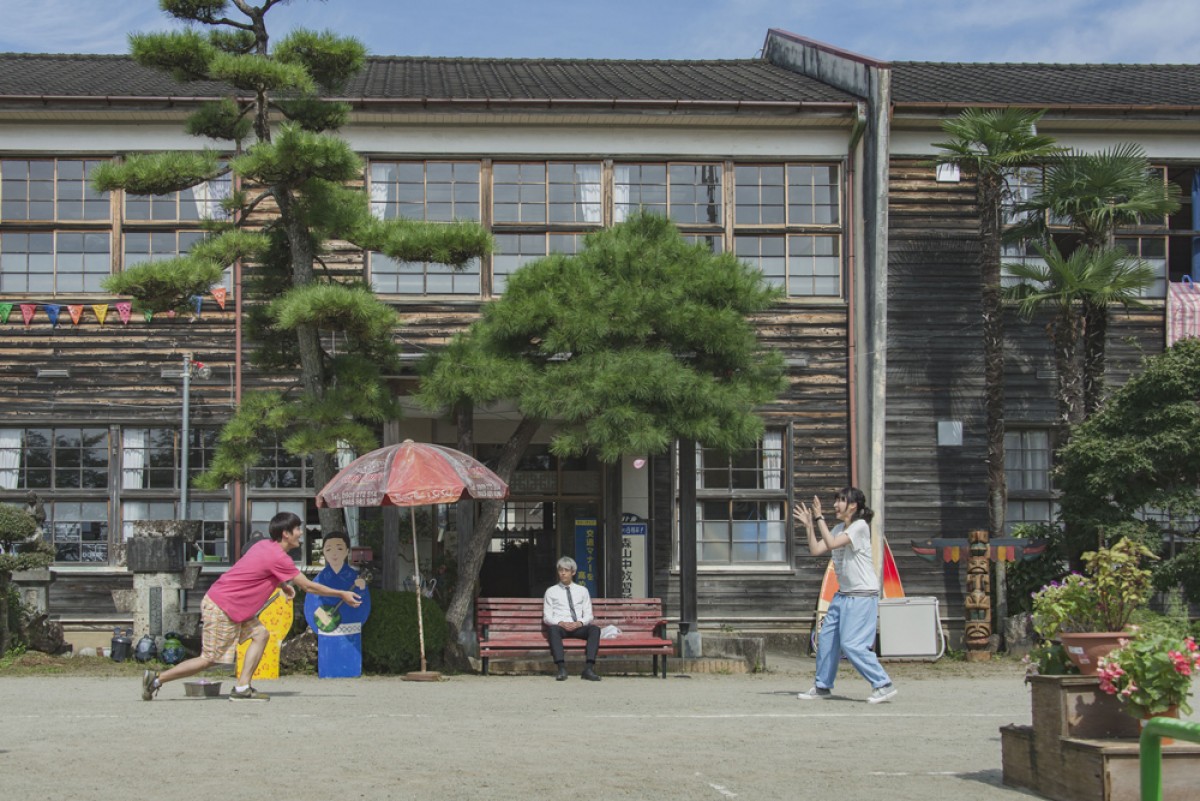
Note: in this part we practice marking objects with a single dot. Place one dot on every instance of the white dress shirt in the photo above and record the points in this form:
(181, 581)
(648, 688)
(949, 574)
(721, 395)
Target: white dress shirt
(555, 608)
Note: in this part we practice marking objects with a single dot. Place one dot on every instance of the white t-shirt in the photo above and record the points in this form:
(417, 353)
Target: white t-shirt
(854, 562)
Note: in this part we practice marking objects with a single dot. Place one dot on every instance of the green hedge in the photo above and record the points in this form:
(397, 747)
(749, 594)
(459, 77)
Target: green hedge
(390, 639)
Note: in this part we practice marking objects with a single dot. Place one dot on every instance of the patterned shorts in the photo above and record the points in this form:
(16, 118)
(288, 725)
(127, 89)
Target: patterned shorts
(221, 635)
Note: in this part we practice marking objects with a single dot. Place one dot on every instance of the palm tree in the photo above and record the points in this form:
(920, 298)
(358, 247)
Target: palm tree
(990, 143)
(1094, 194)
(1066, 284)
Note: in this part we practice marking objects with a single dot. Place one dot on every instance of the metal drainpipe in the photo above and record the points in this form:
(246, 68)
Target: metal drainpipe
(185, 437)
(860, 126)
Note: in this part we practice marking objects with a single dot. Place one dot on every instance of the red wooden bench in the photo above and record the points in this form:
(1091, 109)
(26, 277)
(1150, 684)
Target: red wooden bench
(510, 627)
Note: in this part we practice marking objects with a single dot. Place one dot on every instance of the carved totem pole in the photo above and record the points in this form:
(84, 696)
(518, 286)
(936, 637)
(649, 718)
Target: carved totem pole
(978, 603)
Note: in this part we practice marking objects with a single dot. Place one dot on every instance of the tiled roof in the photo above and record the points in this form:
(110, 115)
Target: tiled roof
(747, 81)
(1046, 84)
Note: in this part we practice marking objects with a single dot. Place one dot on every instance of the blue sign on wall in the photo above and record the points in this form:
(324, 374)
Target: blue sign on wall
(585, 552)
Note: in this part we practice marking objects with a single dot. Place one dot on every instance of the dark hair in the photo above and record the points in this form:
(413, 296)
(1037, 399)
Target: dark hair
(855, 496)
(283, 523)
(336, 535)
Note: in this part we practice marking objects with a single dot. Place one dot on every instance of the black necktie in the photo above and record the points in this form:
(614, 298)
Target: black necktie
(571, 603)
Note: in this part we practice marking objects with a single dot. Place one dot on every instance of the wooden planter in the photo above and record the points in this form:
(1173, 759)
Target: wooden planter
(1083, 746)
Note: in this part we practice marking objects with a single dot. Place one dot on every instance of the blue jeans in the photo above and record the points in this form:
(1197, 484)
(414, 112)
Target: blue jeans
(850, 627)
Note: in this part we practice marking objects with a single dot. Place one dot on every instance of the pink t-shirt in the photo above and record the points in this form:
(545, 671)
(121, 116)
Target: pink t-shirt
(242, 591)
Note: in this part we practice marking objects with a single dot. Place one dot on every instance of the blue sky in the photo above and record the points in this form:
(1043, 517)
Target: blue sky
(1162, 31)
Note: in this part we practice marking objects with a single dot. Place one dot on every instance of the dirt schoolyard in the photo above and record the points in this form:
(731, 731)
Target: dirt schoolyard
(517, 737)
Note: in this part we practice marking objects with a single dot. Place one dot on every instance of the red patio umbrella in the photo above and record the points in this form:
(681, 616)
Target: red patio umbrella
(412, 474)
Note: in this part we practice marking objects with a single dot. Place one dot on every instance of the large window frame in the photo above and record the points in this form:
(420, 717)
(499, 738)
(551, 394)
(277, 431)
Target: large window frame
(741, 505)
(1029, 474)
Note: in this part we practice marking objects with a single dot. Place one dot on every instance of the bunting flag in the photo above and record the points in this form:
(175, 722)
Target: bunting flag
(124, 309)
(101, 311)
(149, 315)
(52, 310)
(27, 310)
(218, 294)
(5, 310)
(197, 303)
(170, 315)
(76, 312)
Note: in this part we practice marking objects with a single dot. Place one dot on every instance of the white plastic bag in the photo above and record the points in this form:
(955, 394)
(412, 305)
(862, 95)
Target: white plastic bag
(609, 632)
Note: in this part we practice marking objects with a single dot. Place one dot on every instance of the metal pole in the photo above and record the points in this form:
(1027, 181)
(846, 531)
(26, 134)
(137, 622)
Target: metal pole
(184, 440)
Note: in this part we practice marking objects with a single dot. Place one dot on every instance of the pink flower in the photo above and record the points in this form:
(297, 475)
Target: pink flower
(1191, 645)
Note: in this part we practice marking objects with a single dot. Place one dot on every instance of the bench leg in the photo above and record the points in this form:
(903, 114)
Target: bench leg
(664, 666)
(485, 665)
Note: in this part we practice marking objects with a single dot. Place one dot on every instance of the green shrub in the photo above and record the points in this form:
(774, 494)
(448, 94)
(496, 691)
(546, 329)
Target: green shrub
(390, 639)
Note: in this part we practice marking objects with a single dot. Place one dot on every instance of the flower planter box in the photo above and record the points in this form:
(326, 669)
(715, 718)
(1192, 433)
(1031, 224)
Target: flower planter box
(1083, 746)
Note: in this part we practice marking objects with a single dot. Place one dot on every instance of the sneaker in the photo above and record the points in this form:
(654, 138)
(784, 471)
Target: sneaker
(815, 693)
(248, 694)
(150, 685)
(882, 694)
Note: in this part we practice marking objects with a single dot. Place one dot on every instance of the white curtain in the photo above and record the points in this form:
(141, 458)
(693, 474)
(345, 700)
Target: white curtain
(588, 178)
(345, 455)
(773, 469)
(133, 457)
(622, 177)
(379, 191)
(10, 457)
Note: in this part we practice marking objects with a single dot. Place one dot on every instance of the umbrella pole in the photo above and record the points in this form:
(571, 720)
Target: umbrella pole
(412, 515)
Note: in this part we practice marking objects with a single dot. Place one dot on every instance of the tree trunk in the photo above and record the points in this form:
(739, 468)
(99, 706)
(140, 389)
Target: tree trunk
(1070, 373)
(992, 307)
(1095, 332)
(476, 546)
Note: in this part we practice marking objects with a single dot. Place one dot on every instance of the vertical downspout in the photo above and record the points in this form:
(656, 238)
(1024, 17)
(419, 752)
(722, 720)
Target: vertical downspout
(239, 487)
(860, 125)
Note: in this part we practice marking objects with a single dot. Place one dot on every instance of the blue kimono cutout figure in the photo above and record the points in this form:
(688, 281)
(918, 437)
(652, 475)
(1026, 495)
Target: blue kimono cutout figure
(338, 627)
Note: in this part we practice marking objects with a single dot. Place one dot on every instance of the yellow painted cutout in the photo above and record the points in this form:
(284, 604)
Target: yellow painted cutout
(277, 618)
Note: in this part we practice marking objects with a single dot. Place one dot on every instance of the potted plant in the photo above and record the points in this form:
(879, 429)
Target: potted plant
(1151, 674)
(1088, 614)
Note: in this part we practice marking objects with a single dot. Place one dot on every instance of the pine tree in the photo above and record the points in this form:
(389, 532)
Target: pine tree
(293, 199)
(638, 341)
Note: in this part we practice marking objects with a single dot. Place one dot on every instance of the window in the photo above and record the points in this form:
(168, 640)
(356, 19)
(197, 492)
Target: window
(740, 504)
(50, 189)
(1153, 251)
(689, 194)
(133, 511)
(148, 459)
(78, 531)
(792, 194)
(54, 262)
(142, 247)
(63, 458)
(391, 277)
(261, 513)
(1022, 184)
(279, 469)
(514, 251)
(439, 191)
(803, 265)
(1027, 465)
(200, 202)
(213, 544)
(554, 192)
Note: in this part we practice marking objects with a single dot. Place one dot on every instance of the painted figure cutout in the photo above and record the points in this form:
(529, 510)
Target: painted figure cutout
(277, 618)
(338, 627)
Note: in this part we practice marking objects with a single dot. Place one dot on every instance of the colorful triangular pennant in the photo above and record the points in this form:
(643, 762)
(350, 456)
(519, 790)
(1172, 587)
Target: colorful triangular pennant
(101, 311)
(197, 303)
(218, 294)
(149, 315)
(124, 310)
(27, 311)
(52, 310)
(76, 312)
(5, 310)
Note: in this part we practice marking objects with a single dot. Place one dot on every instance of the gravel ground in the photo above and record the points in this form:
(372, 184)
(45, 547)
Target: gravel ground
(518, 737)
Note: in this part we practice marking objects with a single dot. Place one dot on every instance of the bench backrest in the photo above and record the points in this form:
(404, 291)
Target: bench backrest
(524, 615)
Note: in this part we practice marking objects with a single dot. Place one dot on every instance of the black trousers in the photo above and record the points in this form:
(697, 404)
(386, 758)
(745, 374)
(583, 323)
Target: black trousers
(588, 632)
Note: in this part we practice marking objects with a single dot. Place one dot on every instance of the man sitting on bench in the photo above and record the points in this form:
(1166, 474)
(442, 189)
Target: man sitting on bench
(567, 612)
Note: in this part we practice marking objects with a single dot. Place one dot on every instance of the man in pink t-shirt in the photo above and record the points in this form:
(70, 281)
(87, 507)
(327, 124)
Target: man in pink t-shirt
(231, 606)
